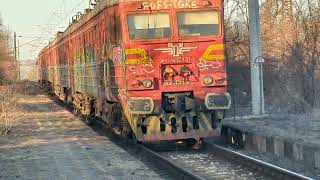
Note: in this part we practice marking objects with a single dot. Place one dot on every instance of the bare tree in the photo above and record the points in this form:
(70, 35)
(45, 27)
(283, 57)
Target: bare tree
(290, 44)
(305, 52)
(8, 66)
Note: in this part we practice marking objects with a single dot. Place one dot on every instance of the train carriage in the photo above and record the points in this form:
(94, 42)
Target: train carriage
(155, 68)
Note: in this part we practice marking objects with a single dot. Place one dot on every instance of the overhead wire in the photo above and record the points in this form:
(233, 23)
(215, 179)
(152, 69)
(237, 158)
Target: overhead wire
(48, 33)
(40, 40)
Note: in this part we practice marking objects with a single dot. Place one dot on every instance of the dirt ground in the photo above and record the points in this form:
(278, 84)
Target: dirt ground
(49, 142)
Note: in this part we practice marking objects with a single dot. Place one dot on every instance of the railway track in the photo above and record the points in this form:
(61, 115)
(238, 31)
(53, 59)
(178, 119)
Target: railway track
(211, 162)
(258, 165)
(217, 162)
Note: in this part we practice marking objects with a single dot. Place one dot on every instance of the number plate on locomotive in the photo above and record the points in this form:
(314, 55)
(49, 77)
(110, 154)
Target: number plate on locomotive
(140, 105)
(218, 101)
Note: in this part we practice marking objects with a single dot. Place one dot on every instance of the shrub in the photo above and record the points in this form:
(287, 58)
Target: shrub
(7, 107)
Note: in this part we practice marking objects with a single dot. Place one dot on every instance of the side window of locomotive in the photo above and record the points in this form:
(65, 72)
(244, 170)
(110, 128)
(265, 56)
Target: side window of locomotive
(149, 26)
(198, 23)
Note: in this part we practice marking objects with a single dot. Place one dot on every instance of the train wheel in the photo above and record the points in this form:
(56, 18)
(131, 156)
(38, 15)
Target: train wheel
(234, 138)
(134, 139)
(195, 143)
(125, 127)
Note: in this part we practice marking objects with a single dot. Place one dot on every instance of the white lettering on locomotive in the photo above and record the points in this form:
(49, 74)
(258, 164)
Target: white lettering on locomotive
(168, 4)
(176, 83)
(146, 106)
(185, 59)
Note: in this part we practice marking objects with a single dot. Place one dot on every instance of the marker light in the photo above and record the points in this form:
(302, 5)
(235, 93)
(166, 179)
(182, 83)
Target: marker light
(169, 70)
(169, 73)
(147, 83)
(185, 72)
(207, 80)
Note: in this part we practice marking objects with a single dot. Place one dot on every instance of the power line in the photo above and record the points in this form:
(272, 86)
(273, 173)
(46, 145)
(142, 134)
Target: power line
(29, 37)
(60, 15)
(71, 12)
(50, 27)
(28, 43)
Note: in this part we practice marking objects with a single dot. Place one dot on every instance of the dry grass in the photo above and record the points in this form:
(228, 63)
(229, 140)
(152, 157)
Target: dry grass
(8, 105)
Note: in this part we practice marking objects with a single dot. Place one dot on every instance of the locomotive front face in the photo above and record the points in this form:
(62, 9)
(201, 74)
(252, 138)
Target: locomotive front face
(176, 81)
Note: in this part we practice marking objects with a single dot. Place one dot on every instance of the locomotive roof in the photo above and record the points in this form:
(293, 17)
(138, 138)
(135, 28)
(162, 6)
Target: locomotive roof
(84, 19)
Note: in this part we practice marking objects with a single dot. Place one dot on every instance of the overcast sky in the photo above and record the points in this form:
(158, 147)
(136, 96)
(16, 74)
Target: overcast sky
(36, 21)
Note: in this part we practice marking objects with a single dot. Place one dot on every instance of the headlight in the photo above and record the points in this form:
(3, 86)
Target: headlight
(147, 83)
(207, 80)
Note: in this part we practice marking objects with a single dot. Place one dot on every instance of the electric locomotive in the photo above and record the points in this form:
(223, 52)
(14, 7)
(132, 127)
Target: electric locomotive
(153, 69)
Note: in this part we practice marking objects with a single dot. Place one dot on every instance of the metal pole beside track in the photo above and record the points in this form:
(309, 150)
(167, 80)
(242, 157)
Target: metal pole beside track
(18, 61)
(255, 53)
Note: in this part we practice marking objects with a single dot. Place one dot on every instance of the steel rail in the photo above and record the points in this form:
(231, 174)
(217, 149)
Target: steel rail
(271, 169)
(166, 164)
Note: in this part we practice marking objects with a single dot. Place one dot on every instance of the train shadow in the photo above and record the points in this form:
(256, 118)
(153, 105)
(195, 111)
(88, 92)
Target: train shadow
(38, 107)
(28, 88)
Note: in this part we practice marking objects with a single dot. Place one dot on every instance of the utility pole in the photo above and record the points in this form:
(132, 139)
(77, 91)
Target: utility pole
(18, 61)
(15, 45)
(16, 54)
(255, 59)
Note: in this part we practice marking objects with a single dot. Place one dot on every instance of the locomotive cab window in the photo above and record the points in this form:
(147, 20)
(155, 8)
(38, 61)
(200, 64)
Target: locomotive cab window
(149, 26)
(198, 23)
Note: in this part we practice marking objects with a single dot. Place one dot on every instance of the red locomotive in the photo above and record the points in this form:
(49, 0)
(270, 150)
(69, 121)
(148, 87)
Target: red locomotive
(155, 69)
